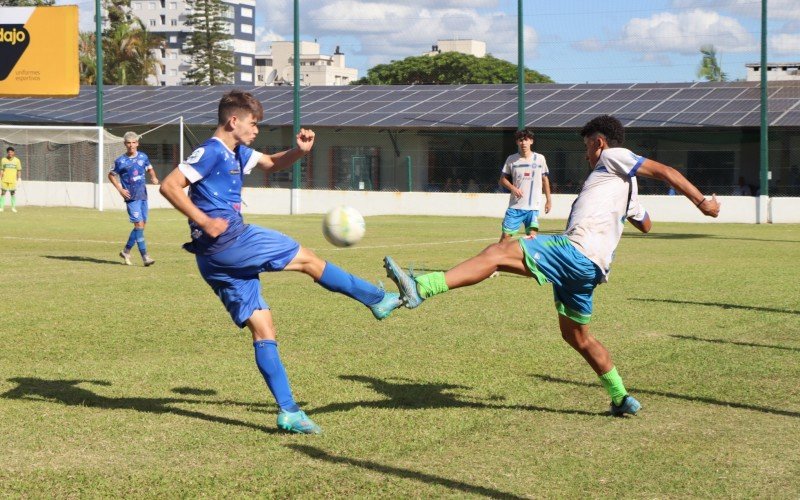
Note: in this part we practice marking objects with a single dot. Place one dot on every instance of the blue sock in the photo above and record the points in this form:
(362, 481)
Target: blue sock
(140, 241)
(131, 241)
(271, 368)
(336, 279)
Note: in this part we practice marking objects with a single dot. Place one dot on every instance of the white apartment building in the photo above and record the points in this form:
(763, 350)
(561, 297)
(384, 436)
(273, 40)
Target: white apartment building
(277, 67)
(470, 47)
(168, 19)
(775, 71)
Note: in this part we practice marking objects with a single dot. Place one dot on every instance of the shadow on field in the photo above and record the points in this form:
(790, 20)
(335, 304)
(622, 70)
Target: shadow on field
(68, 393)
(696, 399)
(694, 236)
(721, 305)
(746, 344)
(78, 258)
(422, 477)
(414, 395)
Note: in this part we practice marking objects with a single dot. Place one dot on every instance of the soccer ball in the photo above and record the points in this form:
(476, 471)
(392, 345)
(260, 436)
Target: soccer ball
(343, 226)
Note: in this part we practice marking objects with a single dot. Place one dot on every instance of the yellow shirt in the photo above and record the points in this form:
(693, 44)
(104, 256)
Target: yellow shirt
(10, 168)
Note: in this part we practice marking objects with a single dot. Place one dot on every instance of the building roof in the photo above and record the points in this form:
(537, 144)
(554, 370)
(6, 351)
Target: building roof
(709, 104)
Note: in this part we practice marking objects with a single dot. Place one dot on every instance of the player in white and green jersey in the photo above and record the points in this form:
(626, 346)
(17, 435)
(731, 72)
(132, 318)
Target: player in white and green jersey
(576, 261)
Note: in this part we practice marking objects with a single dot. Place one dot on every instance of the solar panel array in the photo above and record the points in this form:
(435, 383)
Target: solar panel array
(720, 104)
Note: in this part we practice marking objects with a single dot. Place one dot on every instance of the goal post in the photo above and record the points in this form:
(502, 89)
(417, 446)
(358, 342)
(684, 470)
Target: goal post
(62, 165)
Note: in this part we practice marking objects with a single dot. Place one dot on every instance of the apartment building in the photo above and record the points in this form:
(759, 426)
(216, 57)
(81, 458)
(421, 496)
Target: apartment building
(277, 67)
(775, 71)
(168, 19)
(475, 48)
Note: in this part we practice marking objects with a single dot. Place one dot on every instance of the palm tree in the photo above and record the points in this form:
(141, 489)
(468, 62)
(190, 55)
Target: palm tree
(709, 65)
(128, 50)
(87, 59)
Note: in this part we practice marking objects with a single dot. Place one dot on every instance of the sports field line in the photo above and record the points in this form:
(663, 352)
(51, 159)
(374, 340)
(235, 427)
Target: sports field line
(357, 247)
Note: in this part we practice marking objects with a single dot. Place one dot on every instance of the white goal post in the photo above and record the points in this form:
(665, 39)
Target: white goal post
(67, 158)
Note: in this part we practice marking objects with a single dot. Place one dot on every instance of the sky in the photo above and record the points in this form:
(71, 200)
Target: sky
(614, 41)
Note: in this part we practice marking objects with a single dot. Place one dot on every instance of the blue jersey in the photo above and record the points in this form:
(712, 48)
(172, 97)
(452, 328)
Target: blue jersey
(216, 174)
(130, 170)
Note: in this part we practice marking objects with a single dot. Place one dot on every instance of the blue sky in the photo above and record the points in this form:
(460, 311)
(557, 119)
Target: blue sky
(615, 41)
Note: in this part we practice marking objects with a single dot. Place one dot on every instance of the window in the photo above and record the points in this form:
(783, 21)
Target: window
(172, 39)
(247, 28)
(229, 12)
(151, 5)
(135, 5)
(247, 61)
(163, 20)
(173, 22)
(173, 6)
(247, 12)
(163, 4)
(173, 55)
(173, 72)
(163, 53)
(152, 22)
(246, 77)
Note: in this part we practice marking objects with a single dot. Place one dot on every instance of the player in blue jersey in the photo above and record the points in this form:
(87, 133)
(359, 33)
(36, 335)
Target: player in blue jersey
(576, 261)
(128, 177)
(230, 254)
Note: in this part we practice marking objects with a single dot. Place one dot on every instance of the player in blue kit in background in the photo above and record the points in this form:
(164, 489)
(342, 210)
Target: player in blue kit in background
(128, 177)
(230, 254)
(578, 260)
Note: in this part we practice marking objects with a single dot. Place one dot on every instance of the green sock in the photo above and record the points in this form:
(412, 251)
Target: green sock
(13, 201)
(2, 201)
(431, 284)
(613, 384)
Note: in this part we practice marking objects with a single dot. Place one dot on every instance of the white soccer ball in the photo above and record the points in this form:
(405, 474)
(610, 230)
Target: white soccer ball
(343, 226)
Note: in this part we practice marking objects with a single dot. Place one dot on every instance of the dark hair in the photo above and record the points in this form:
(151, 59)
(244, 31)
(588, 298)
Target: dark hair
(524, 133)
(236, 102)
(10, 149)
(608, 126)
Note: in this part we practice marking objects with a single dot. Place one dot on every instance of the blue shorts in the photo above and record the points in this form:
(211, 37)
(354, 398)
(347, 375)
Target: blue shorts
(233, 272)
(514, 217)
(553, 259)
(137, 210)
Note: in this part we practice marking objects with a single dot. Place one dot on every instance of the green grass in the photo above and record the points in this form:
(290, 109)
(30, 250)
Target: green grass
(132, 381)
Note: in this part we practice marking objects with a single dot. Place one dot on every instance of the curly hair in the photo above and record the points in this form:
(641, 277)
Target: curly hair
(608, 126)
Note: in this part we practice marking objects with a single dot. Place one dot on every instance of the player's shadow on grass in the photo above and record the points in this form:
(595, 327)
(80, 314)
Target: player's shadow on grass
(695, 236)
(696, 399)
(422, 477)
(721, 305)
(424, 396)
(745, 344)
(69, 393)
(78, 258)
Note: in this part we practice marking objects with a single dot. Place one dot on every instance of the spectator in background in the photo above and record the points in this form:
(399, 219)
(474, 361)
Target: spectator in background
(742, 189)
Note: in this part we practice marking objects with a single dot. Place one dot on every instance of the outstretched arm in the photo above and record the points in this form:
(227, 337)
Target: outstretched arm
(650, 168)
(172, 188)
(285, 159)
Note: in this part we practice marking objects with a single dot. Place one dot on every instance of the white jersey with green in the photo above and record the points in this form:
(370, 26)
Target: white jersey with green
(608, 197)
(526, 175)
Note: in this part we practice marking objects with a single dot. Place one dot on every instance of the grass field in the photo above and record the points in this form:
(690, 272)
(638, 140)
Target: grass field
(132, 381)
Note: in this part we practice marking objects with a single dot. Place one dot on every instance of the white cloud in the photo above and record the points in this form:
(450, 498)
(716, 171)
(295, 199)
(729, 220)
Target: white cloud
(785, 43)
(776, 9)
(684, 33)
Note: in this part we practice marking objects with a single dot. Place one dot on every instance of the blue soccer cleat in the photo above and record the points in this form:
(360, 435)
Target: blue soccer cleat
(297, 422)
(628, 405)
(405, 283)
(388, 303)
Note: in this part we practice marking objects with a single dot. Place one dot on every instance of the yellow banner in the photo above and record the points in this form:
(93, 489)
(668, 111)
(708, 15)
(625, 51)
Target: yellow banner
(39, 51)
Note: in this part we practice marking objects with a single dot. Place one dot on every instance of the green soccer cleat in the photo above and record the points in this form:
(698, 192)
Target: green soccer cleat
(297, 422)
(388, 303)
(628, 405)
(405, 283)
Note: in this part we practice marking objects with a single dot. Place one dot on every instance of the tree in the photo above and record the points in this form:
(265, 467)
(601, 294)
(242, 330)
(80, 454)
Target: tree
(209, 44)
(709, 65)
(448, 68)
(128, 49)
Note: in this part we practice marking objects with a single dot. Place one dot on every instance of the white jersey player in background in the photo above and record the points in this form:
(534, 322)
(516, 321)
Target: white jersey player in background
(576, 261)
(525, 176)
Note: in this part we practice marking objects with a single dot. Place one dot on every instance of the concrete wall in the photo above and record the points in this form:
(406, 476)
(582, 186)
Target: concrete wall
(738, 209)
